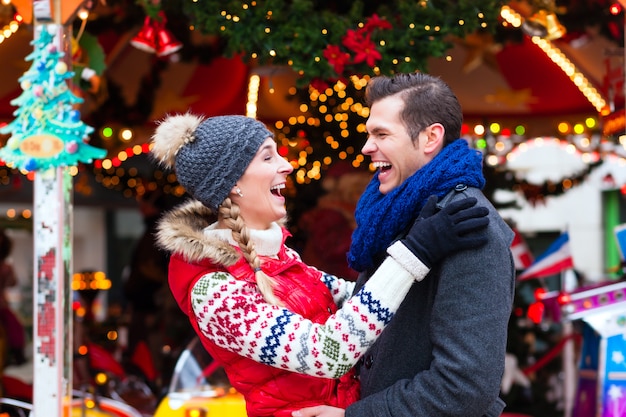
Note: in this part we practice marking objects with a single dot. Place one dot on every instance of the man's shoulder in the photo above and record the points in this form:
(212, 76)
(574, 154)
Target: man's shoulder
(461, 191)
(496, 221)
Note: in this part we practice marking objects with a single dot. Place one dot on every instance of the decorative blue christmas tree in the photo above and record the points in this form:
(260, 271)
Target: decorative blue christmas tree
(47, 130)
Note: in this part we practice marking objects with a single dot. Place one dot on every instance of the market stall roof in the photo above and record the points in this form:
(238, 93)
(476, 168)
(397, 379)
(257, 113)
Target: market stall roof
(518, 83)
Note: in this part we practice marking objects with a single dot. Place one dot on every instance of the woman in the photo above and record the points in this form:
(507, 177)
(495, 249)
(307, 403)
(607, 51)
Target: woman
(272, 321)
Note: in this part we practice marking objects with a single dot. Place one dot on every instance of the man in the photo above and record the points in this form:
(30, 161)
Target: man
(443, 353)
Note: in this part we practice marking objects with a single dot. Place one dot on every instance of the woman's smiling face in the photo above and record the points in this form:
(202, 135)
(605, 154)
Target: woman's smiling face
(261, 202)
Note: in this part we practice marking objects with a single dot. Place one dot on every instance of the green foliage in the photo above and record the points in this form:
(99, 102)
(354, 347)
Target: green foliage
(297, 32)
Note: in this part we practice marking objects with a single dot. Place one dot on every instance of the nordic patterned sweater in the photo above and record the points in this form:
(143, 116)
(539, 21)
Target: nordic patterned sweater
(280, 359)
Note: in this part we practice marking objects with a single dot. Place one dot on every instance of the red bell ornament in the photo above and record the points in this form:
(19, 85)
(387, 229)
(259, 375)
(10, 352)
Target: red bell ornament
(146, 39)
(166, 43)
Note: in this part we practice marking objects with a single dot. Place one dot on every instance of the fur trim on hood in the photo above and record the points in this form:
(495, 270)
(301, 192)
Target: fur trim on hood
(181, 231)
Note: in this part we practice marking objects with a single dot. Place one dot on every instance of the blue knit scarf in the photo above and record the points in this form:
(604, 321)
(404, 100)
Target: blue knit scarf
(381, 218)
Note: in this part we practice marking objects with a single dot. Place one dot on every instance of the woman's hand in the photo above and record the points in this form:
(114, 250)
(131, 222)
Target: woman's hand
(319, 411)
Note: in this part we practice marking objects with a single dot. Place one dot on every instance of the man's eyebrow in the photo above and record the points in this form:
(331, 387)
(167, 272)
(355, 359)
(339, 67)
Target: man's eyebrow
(375, 129)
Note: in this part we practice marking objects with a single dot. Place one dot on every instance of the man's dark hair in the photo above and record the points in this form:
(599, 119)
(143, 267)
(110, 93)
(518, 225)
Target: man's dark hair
(427, 100)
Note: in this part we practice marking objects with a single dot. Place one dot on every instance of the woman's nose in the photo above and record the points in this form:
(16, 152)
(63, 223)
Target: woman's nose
(286, 167)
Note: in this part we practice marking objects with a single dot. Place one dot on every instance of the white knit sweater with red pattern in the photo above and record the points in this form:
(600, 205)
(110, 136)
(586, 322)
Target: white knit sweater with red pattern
(233, 314)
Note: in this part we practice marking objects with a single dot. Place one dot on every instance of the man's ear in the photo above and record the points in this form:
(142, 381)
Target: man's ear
(435, 137)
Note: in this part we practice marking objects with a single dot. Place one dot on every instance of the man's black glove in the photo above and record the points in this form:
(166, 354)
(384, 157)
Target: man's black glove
(437, 234)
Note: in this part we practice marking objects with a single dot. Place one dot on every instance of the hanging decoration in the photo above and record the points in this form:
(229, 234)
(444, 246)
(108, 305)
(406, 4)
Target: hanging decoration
(47, 130)
(88, 59)
(88, 63)
(544, 21)
(153, 37)
(501, 178)
(328, 41)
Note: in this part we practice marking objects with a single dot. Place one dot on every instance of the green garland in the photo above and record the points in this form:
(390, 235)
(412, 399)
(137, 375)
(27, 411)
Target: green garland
(500, 178)
(327, 41)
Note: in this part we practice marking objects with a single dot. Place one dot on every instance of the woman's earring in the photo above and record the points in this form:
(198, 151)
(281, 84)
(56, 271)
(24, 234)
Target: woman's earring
(238, 191)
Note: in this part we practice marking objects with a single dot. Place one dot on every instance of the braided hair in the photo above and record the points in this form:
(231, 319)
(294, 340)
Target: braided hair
(231, 215)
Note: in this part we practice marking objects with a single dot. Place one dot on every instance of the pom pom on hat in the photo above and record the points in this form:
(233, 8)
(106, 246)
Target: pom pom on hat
(171, 135)
(208, 155)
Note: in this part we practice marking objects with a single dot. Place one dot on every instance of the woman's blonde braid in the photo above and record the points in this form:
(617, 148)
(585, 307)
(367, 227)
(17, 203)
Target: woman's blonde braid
(231, 215)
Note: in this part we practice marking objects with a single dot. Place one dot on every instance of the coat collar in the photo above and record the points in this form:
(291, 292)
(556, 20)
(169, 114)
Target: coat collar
(190, 231)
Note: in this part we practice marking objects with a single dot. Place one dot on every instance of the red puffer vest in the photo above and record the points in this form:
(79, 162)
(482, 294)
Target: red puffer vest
(271, 391)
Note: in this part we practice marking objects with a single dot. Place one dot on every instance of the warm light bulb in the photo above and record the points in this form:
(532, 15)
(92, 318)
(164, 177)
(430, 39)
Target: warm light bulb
(83, 13)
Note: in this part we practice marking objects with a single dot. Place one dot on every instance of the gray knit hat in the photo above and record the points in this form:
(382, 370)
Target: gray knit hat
(208, 155)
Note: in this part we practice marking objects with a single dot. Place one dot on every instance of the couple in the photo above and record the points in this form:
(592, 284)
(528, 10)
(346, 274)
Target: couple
(426, 322)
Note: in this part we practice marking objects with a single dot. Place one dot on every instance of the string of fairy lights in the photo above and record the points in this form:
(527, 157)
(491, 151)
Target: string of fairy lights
(13, 25)
(513, 18)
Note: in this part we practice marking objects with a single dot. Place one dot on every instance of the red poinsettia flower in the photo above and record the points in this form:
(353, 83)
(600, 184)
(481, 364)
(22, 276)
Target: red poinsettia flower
(336, 57)
(375, 22)
(319, 84)
(363, 47)
(353, 39)
(369, 54)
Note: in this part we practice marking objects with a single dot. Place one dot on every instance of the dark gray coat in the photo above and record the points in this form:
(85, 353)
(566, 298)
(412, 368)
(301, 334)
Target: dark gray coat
(442, 355)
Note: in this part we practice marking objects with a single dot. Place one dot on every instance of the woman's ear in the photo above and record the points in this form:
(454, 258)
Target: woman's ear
(235, 191)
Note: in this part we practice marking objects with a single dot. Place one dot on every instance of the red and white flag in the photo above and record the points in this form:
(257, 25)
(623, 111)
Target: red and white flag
(555, 259)
(522, 256)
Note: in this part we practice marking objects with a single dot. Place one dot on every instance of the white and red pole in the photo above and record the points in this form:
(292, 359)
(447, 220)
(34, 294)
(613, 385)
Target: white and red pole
(53, 245)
